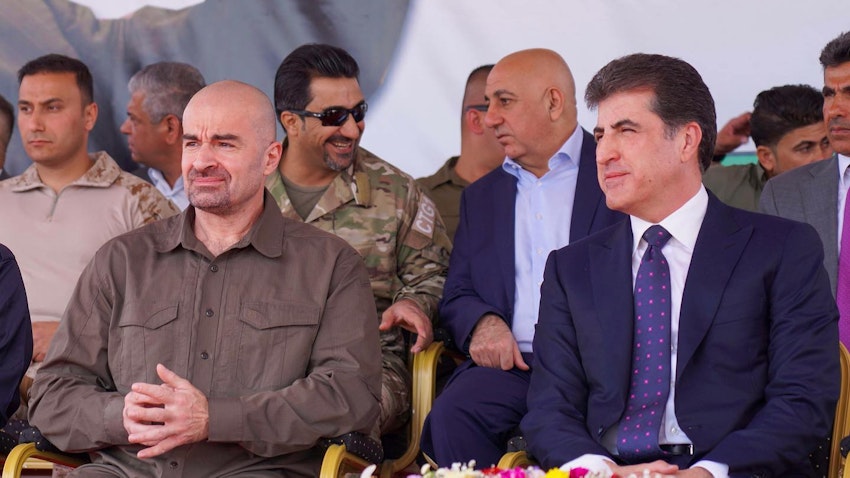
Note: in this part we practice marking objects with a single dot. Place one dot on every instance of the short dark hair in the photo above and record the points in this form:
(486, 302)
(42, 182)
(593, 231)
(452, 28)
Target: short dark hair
(475, 74)
(836, 51)
(168, 86)
(312, 60)
(781, 109)
(8, 111)
(680, 94)
(56, 63)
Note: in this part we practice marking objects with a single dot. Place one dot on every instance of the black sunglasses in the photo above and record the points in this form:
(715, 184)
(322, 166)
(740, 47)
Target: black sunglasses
(336, 116)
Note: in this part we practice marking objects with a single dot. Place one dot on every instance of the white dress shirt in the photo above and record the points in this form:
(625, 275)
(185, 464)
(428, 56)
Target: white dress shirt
(843, 186)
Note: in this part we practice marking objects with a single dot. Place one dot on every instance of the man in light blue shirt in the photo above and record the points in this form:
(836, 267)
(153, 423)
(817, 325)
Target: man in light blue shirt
(158, 95)
(544, 196)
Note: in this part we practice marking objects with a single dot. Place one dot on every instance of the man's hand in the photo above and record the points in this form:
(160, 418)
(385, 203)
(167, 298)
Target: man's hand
(407, 314)
(42, 334)
(163, 417)
(657, 468)
(695, 472)
(733, 134)
(493, 345)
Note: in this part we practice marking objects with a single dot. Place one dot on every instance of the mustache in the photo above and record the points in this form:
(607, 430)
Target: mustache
(208, 173)
(338, 138)
(839, 123)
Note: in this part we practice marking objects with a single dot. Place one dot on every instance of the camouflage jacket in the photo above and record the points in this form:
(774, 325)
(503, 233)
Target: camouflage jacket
(384, 215)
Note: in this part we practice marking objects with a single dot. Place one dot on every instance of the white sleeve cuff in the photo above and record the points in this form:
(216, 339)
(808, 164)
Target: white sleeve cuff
(593, 464)
(717, 470)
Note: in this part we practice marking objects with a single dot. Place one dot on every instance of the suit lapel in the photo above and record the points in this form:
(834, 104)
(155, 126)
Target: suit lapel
(503, 230)
(820, 207)
(611, 282)
(719, 246)
(588, 194)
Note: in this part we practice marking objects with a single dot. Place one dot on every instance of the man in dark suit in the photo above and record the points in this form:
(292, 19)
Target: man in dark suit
(816, 193)
(544, 196)
(694, 339)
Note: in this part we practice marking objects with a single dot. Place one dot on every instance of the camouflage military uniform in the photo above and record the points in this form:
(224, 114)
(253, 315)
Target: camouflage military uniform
(384, 215)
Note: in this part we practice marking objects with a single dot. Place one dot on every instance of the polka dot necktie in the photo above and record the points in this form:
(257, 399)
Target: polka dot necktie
(637, 438)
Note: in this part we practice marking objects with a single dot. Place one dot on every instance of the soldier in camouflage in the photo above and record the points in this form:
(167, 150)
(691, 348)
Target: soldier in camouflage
(327, 180)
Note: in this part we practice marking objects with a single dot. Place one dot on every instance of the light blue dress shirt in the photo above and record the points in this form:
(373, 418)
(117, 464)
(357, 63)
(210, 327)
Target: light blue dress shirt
(177, 194)
(543, 210)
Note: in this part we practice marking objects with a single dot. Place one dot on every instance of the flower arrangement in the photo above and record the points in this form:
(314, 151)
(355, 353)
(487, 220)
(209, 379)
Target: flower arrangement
(459, 470)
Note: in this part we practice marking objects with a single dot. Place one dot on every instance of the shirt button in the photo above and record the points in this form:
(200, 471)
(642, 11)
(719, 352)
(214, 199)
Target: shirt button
(205, 355)
(214, 268)
(674, 430)
(538, 216)
(172, 465)
(209, 313)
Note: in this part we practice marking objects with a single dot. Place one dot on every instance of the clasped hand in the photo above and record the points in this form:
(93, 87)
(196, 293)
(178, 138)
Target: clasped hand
(163, 417)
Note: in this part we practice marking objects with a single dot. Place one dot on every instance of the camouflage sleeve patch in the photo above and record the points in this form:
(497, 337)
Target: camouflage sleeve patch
(425, 217)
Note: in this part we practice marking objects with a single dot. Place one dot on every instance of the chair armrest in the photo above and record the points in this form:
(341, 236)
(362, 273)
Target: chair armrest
(361, 446)
(338, 461)
(15, 460)
(514, 459)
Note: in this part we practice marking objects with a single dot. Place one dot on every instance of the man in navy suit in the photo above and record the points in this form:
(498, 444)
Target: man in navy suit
(544, 196)
(747, 348)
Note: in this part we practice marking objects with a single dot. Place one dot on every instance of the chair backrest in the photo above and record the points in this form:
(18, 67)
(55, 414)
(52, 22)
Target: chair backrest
(841, 426)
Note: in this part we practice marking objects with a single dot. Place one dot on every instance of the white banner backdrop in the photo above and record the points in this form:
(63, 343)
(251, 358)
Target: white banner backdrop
(740, 48)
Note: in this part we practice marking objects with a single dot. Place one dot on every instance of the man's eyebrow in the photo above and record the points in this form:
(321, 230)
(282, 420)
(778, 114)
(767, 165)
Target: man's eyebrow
(624, 122)
(190, 137)
(225, 137)
(616, 125)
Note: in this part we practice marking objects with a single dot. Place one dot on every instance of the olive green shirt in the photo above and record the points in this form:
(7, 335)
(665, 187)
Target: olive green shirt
(738, 186)
(445, 188)
(279, 332)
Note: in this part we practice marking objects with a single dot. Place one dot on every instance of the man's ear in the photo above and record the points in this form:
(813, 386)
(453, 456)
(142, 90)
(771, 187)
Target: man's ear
(475, 121)
(691, 140)
(173, 129)
(767, 159)
(554, 102)
(289, 121)
(90, 115)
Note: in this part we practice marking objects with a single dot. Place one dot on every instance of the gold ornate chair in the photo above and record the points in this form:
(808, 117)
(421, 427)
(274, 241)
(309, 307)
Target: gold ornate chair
(339, 460)
(841, 425)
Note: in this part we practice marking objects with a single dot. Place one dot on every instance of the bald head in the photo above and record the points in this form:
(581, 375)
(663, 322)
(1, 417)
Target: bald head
(532, 101)
(542, 68)
(236, 99)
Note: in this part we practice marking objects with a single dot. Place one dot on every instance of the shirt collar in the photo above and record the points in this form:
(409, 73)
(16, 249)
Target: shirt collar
(683, 224)
(265, 235)
(843, 163)
(158, 179)
(101, 174)
(567, 155)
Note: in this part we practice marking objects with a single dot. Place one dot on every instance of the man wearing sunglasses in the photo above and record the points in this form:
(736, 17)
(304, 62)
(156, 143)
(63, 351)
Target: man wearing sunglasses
(327, 180)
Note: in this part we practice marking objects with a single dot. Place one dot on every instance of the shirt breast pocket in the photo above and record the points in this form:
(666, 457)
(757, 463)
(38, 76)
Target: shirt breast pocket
(275, 343)
(149, 335)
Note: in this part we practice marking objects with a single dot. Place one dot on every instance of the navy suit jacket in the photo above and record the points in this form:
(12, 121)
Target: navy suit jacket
(757, 374)
(482, 269)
